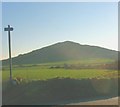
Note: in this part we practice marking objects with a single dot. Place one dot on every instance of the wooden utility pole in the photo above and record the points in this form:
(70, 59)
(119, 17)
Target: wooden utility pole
(9, 42)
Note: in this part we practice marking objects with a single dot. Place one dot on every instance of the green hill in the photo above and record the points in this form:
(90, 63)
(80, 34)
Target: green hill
(63, 51)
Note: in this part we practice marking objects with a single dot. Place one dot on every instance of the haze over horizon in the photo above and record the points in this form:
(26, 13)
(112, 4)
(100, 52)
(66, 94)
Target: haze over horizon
(37, 25)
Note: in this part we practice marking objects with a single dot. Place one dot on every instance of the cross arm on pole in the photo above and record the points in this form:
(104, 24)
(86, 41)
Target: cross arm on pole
(8, 28)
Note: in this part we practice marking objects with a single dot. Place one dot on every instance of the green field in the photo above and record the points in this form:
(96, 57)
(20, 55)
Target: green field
(43, 71)
(54, 83)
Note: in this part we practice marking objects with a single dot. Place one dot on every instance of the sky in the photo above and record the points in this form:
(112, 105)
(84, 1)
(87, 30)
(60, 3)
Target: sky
(40, 24)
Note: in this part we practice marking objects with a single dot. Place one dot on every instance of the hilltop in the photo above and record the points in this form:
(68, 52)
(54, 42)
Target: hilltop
(63, 51)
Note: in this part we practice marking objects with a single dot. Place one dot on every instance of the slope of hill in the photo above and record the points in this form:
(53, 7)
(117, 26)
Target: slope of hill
(63, 51)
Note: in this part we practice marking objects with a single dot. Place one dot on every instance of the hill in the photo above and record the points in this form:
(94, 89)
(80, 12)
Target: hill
(63, 51)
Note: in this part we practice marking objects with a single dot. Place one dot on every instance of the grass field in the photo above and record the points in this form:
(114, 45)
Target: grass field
(43, 71)
(61, 85)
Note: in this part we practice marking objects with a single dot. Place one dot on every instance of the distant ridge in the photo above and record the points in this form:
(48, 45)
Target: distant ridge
(63, 51)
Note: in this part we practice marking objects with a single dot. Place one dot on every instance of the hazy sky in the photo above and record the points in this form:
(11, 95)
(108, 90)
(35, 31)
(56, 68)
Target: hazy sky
(38, 25)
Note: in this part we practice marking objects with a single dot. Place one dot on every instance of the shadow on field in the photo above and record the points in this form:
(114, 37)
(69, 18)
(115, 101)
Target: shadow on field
(59, 91)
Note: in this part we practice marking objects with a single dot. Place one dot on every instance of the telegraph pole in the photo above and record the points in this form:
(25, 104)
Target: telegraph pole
(9, 42)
